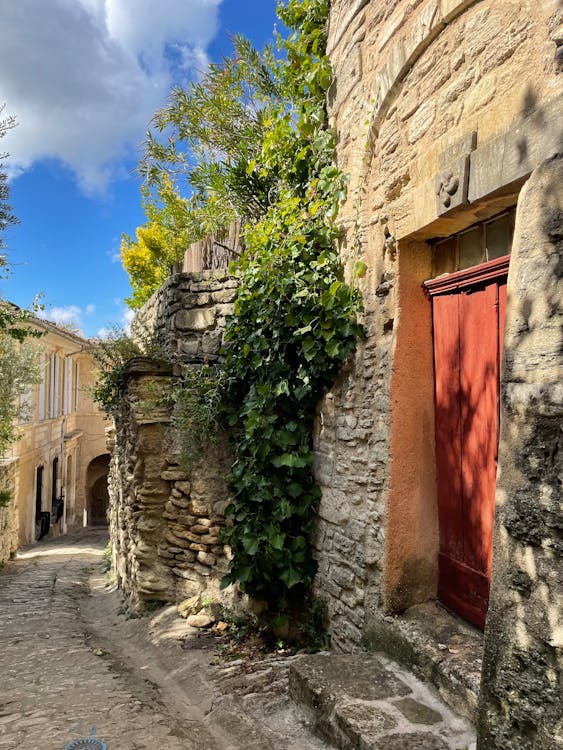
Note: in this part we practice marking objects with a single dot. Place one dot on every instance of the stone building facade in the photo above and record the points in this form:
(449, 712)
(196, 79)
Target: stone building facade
(61, 437)
(444, 110)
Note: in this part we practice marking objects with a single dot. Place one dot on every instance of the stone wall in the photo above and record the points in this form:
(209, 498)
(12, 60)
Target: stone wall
(186, 316)
(8, 512)
(521, 694)
(165, 521)
(421, 89)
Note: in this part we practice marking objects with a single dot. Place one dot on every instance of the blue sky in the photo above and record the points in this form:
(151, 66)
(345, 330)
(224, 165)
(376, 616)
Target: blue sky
(83, 78)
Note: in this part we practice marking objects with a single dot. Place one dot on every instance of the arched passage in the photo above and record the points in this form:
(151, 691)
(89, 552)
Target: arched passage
(97, 496)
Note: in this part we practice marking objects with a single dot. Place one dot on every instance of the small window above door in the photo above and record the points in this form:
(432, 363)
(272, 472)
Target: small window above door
(481, 243)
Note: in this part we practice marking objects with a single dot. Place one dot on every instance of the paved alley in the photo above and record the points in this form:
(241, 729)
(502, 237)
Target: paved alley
(75, 667)
(61, 682)
(56, 686)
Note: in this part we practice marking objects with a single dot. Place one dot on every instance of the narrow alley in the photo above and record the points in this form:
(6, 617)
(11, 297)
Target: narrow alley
(74, 669)
(78, 673)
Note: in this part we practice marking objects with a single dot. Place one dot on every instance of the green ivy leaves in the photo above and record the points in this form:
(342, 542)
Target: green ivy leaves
(295, 323)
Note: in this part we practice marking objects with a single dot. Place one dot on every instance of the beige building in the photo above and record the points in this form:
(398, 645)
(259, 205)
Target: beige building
(60, 463)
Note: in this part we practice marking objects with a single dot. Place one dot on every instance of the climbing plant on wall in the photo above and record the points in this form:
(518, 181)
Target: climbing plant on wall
(254, 142)
(294, 325)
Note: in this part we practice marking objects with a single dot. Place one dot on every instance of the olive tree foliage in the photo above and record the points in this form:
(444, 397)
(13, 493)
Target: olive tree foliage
(6, 215)
(200, 165)
(19, 359)
(12, 318)
(20, 370)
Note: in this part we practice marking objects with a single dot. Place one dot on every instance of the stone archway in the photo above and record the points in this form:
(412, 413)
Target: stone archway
(97, 496)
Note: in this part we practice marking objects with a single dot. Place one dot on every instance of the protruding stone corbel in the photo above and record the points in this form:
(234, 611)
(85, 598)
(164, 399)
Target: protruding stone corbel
(452, 180)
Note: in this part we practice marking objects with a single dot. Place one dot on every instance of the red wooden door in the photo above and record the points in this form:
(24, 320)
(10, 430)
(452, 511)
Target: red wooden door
(468, 321)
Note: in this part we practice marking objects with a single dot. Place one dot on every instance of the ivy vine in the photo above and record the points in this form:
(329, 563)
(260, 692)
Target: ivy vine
(294, 324)
(251, 142)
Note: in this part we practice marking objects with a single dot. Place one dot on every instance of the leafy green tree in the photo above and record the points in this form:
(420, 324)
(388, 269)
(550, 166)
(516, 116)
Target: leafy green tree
(19, 362)
(12, 318)
(158, 244)
(6, 215)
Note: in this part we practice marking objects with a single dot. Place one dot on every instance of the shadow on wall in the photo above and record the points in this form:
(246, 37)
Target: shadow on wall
(97, 495)
(521, 705)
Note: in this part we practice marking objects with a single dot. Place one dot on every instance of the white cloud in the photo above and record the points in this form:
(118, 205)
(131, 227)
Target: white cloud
(123, 321)
(90, 309)
(71, 315)
(126, 319)
(84, 76)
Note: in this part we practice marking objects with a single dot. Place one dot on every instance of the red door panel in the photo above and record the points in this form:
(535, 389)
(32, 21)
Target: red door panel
(468, 319)
(463, 590)
(448, 445)
(478, 335)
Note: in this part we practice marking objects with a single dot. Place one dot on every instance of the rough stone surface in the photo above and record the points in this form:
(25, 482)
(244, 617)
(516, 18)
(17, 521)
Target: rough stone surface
(366, 702)
(8, 512)
(187, 315)
(415, 78)
(436, 647)
(73, 665)
(522, 696)
(166, 521)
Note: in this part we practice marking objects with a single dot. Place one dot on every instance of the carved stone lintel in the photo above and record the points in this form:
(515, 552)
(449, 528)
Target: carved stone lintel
(452, 180)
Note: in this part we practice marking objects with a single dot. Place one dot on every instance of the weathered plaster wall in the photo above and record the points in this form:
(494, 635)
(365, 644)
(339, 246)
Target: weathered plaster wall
(421, 87)
(165, 522)
(9, 512)
(522, 691)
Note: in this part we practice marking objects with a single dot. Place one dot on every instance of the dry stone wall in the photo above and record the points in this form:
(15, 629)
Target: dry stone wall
(165, 521)
(186, 316)
(8, 510)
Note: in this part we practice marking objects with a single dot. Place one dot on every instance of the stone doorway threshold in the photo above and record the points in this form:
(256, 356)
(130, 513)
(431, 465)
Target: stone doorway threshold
(366, 701)
(437, 647)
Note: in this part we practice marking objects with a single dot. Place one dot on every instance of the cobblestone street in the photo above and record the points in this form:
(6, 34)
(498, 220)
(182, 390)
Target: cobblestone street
(64, 679)
(75, 666)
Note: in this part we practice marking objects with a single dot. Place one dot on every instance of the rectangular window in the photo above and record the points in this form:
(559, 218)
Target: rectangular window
(42, 394)
(483, 242)
(76, 386)
(26, 406)
(498, 236)
(68, 389)
(54, 391)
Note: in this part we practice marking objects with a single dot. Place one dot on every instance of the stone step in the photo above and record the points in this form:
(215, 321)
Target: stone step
(437, 647)
(365, 701)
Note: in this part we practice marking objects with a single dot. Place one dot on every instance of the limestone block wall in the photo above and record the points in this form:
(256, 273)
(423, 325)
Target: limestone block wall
(521, 695)
(423, 88)
(186, 316)
(165, 521)
(9, 512)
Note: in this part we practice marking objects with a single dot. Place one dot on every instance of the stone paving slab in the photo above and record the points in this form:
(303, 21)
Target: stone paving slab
(438, 647)
(367, 702)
